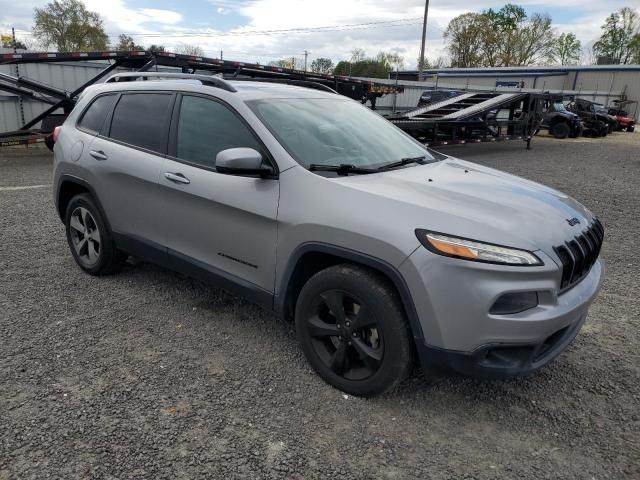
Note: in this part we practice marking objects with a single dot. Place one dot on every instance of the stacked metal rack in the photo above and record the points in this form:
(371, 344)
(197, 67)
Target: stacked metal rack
(472, 117)
(144, 61)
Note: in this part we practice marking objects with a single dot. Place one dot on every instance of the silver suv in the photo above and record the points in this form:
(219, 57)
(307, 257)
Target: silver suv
(307, 203)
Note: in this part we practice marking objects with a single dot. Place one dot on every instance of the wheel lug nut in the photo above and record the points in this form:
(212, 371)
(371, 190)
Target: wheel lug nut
(348, 324)
(338, 325)
(354, 334)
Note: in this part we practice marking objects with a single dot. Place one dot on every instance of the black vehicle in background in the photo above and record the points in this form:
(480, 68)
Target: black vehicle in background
(559, 121)
(433, 96)
(597, 123)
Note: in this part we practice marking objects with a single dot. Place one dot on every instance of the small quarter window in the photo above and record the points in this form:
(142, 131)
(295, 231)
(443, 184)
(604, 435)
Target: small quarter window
(94, 117)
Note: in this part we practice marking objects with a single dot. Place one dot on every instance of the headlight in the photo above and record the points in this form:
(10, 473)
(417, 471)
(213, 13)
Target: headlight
(471, 250)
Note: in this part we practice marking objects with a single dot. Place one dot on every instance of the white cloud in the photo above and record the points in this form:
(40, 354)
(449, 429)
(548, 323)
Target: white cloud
(261, 15)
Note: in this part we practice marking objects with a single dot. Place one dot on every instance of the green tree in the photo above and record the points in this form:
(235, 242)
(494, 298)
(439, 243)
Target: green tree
(616, 44)
(156, 48)
(364, 68)
(567, 49)
(126, 44)
(322, 65)
(187, 49)
(284, 63)
(390, 60)
(635, 48)
(465, 36)
(7, 42)
(504, 37)
(69, 26)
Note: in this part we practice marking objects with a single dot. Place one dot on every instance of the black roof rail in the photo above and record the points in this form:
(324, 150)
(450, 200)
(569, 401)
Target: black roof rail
(208, 80)
(288, 81)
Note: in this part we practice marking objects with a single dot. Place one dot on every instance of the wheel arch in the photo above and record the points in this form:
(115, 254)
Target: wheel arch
(68, 187)
(312, 257)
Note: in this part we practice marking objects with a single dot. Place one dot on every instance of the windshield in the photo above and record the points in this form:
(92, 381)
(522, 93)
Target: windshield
(334, 132)
(559, 107)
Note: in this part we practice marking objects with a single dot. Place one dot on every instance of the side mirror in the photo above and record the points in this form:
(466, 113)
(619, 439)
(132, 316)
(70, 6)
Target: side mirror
(241, 161)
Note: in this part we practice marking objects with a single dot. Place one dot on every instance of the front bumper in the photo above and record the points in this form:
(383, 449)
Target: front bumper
(453, 299)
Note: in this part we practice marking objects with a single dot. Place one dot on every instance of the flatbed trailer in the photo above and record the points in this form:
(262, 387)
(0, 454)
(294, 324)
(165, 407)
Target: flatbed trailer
(141, 61)
(475, 117)
(472, 117)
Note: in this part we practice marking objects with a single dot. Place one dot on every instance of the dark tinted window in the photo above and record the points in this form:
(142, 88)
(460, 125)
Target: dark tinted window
(205, 128)
(94, 116)
(140, 119)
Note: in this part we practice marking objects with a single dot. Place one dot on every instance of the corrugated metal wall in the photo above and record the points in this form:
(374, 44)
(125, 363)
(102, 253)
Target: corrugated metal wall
(601, 86)
(67, 76)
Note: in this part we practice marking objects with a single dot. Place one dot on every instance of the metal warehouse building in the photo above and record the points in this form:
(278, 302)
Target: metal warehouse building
(600, 83)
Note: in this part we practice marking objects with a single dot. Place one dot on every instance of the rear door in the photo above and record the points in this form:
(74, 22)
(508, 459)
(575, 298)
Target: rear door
(225, 224)
(128, 158)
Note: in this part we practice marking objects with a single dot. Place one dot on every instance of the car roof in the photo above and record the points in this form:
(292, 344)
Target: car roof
(245, 90)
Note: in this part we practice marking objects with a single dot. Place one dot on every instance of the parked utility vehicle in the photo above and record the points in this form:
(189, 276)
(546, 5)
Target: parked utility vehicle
(312, 205)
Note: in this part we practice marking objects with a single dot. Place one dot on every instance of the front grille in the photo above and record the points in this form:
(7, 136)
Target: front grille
(579, 254)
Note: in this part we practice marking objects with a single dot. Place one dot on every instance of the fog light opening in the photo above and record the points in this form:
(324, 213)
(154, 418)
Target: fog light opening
(514, 302)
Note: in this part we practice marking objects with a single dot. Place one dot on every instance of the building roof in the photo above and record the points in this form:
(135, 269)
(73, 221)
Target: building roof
(558, 70)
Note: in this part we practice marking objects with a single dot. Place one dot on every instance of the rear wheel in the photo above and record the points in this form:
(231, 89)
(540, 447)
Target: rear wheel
(89, 238)
(353, 330)
(560, 130)
(631, 128)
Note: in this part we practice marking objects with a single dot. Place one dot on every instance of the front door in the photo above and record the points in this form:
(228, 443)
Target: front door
(225, 224)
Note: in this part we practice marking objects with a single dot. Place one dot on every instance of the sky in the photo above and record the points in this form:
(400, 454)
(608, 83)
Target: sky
(244, 29)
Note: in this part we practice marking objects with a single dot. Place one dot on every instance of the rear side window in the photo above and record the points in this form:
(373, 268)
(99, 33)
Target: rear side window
(205, 128)
(141, 119)
(94, 116)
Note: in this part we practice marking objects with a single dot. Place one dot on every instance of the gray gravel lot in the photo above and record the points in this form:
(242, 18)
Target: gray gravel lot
(147, 374)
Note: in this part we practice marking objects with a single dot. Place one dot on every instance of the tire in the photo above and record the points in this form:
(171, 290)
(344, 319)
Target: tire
(560, 130)
(89, 238)
(631, 128)
(360, 355)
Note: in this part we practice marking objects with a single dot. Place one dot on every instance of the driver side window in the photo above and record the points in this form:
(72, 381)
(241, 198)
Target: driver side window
(205, 128)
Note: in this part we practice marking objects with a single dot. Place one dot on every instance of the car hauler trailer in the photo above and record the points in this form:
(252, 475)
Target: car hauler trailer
(475, 116)
(141, 61)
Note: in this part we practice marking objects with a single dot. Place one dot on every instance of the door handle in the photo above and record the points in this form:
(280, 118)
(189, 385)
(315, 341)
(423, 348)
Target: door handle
(177, 178)
(98, 154)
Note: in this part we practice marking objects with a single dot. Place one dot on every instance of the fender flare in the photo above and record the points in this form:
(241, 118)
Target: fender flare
(374, 263)
(66, 177)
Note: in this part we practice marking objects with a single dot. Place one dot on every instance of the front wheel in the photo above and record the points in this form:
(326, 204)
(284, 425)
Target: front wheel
(560, 130)
(353, 330)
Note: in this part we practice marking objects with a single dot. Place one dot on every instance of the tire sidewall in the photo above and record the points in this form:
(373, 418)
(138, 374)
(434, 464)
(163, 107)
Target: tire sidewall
(390, 322)
(106, 247)
(560, 130)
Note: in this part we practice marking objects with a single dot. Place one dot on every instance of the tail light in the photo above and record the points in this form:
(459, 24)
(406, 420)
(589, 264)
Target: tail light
(56, 132)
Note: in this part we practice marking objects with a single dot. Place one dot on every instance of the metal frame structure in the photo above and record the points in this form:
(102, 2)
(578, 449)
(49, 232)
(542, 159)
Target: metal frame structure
(144, 61)
(471, 123)
(475, 117)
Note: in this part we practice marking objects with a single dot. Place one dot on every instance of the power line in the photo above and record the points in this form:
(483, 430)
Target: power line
(330, 28)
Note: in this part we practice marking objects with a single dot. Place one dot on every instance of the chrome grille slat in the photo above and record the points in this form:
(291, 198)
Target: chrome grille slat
(579, 254)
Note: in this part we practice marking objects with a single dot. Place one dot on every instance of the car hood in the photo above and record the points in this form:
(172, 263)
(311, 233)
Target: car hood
(461, 198)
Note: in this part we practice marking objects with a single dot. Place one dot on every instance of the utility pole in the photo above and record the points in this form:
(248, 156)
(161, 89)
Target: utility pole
(306, 54)
(424, 39)
(15, 50)
(221, 55)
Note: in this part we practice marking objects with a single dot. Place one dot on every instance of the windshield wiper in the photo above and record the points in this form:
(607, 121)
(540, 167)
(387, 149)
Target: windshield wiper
(342, 169)
(402, 162)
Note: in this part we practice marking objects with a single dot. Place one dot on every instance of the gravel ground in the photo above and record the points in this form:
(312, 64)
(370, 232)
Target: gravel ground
(147, 374)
